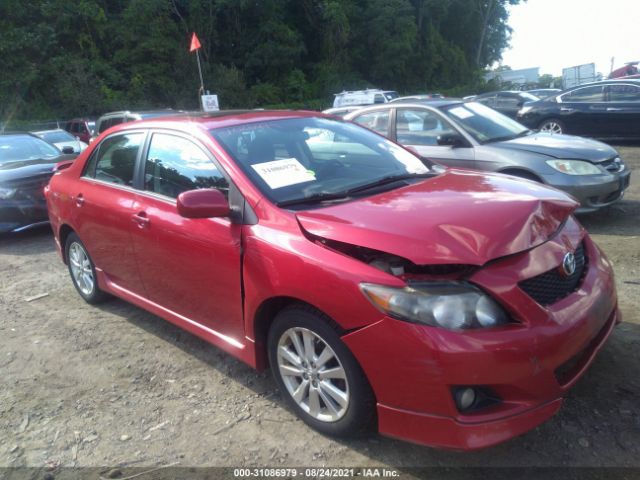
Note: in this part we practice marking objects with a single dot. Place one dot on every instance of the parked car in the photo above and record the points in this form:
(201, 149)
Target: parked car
(544, 92)
(61, 139)
(26, 164)
(363, 97)
(444, 307)
(108, 120)
(608, 110)
(424, 96)
(341, 111)
(508, 103)
(471, 135)
(629, 68)
(83, 128)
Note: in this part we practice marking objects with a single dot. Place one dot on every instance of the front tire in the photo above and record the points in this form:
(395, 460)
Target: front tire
(82, 270)
(553, 125)
(318, 375)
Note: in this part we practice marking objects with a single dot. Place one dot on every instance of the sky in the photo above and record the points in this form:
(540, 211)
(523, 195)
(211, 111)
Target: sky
(554, 34)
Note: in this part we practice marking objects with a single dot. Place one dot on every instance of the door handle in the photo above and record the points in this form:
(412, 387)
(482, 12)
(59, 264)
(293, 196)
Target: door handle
(613, 109)
(567, 109)
(141, 219)
(79, 200)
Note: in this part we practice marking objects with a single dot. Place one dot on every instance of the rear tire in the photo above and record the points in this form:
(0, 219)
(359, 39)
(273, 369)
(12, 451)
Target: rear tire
(318, 375)
(552, 125)
(82, 270)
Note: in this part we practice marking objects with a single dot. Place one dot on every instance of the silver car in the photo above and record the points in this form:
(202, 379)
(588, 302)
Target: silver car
(470, 135)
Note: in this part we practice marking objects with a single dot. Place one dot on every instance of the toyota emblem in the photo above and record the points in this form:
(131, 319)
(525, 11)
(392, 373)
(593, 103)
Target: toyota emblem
(569, 264)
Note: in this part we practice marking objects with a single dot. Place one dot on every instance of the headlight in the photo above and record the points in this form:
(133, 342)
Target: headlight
(574, 167)
(450, 305)
(7, 193)
(524, 110)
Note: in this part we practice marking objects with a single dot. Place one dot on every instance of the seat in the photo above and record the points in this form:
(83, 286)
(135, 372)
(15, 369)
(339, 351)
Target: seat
(261, 150)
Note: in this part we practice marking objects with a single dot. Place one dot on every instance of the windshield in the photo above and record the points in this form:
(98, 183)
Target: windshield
(57, 137)
(484, 123)
(15, 148)
(296, 160)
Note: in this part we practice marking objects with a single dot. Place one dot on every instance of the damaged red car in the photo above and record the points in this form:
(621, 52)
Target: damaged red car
(440, 306)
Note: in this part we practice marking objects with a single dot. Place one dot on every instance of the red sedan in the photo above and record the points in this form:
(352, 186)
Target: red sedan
(443, 307)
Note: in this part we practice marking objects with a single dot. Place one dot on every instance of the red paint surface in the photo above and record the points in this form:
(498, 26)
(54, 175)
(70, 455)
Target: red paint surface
(211, 277)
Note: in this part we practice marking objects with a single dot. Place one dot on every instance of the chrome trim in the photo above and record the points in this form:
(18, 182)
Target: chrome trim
(31, 225)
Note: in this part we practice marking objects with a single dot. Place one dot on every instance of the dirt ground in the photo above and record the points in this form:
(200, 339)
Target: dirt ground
(114, 385)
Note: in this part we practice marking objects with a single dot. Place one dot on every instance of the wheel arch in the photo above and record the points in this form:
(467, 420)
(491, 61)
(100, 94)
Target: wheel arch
(522, 173)
(263, 319)
(63, 234)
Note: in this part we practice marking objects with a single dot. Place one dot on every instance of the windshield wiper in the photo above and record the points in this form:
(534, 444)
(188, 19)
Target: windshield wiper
(388, 179)
(316, 197)
(328, 196)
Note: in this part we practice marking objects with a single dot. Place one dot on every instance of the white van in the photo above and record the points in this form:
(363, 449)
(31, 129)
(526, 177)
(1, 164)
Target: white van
(364, 97)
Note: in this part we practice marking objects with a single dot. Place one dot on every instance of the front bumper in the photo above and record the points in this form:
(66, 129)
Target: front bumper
(530, 365)
(20, 214)
(593, 192)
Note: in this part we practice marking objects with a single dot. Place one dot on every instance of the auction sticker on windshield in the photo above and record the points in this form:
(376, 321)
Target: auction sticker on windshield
(282, 173)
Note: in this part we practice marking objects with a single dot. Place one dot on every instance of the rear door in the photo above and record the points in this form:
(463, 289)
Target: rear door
(420, 128)
(623, 110)
(190, 266)
(103, 207)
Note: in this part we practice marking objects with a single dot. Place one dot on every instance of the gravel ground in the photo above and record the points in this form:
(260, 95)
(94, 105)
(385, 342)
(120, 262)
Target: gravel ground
(114, 385)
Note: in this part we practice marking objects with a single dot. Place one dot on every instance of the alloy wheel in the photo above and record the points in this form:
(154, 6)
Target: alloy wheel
(551, 127)
(313, 374)
(81, 269)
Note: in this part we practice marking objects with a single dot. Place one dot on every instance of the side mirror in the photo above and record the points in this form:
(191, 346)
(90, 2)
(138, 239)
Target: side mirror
(68, 150)
(452, 140)
(203, 203)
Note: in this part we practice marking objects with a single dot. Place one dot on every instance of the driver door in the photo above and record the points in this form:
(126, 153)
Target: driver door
(190, 266)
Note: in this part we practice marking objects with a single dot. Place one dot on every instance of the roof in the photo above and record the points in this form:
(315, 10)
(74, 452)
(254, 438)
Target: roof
(226, 118)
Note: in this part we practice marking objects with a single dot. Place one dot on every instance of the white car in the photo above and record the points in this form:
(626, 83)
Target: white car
(61, 139)
(370, 96)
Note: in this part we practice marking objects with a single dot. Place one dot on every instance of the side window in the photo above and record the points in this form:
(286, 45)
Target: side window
(377, 121)
(420, 127)
(73, 127)
(489, 101)
(116, 159)
(81, 128)
(378, 98)
(175, 165)
(105, 124)
(624, 93)
(507, 101)
(585, 95)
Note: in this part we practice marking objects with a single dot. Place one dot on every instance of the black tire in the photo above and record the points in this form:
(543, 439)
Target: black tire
(553, 125)
(94, 295)
(359, 416)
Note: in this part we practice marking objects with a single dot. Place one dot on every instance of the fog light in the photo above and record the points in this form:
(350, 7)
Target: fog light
(465, 398)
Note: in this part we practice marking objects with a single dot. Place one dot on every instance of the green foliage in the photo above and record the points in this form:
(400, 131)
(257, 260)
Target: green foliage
(63, 58)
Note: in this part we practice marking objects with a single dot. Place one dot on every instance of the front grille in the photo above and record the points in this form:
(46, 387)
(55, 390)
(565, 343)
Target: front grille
(549, 287)
(613, 165)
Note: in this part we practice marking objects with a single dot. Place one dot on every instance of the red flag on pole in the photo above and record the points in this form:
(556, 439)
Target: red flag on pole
(195, 43)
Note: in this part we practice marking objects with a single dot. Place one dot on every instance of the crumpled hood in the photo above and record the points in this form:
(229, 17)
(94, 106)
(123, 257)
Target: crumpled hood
(456, 218)
(561, 146)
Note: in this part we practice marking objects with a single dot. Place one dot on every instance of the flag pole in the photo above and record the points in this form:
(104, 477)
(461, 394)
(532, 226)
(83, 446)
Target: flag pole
(200, 71)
